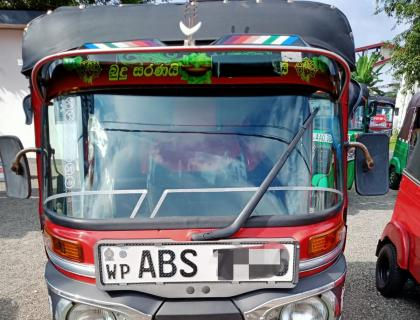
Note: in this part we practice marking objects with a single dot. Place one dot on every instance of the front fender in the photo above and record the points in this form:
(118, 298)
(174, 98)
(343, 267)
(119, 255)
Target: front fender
(395, 162)
(396, 234)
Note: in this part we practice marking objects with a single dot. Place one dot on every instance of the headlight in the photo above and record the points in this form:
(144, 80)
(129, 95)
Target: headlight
(323, 307)
(85, 312)
(309, 309)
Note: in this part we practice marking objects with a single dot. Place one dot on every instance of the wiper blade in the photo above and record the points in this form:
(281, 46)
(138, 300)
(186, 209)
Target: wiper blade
(246, 212)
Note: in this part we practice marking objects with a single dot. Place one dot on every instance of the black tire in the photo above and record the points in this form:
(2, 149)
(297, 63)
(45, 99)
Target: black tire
(390, 278)
(394, 179)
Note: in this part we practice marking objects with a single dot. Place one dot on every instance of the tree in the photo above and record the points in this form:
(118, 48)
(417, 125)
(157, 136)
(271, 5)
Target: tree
(406, 54)
(367, 73)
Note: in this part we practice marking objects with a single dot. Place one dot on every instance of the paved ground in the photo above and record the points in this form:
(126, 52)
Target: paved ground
(367, 218)
(23, 293)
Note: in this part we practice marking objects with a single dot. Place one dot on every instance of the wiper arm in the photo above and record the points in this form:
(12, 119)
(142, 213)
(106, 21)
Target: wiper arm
(246, 212)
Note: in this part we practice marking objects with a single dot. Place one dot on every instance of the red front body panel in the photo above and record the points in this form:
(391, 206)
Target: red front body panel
(88, 239)
(404, 229)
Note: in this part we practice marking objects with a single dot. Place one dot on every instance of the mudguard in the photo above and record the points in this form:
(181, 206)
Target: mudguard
(395, 162)
(397, 235)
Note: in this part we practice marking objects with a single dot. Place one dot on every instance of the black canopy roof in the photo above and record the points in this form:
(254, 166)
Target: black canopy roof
(66, 28)
(415, 101)
(382, 99)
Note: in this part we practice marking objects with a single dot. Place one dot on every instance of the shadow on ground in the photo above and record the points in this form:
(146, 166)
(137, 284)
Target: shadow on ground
(8, 309)
(18, 216)
(363, 203)
(362, 301)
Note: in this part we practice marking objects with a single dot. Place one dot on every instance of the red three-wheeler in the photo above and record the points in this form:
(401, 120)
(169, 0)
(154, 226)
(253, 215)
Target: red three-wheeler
(179, 169)
(398, 249)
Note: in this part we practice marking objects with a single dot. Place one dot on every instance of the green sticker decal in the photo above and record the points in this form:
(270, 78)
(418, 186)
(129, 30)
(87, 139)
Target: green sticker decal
(120, 72)
(196, 68)
(117, 73)
(88, 70)
(306, 69)
(281, 67)
(140, 58)
(320, 65)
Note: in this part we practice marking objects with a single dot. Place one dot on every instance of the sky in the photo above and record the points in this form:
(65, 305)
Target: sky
(368, 28)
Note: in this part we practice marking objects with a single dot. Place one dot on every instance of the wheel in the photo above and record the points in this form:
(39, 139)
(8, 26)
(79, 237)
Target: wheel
(394, 179)
(390, 279)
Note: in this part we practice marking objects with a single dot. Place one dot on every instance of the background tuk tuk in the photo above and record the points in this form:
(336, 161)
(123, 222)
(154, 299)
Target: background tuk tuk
(398, 249)
(358, 123)
(405, 142)
(381, 114)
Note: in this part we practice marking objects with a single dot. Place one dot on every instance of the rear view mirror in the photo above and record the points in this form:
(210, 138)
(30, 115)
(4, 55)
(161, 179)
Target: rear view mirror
(27, 109)
(18, 185)
(358, 95)
(373, 182)
(355, 95)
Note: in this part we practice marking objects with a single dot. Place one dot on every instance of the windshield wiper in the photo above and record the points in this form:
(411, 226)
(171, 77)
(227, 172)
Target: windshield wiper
(246, 212)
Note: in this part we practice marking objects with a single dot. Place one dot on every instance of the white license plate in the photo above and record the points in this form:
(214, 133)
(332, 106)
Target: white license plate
(173, 262)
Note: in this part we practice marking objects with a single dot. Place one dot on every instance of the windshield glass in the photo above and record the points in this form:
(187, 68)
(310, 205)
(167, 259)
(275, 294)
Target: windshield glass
(148, 156)
(382, 119)
(356, 120)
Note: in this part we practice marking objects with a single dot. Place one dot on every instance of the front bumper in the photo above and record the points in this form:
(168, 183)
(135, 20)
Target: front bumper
(138, 306)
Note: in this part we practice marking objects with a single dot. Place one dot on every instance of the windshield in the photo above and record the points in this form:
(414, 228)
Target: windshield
(383, 116)
(148, 157)
(356, 121)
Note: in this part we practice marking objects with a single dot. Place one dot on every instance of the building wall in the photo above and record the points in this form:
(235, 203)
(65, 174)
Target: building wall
(402, 101)
(13, 87)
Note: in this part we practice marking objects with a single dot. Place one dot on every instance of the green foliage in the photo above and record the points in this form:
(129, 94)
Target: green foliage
(406, 54)
(366, 72)
(35, 4)
(52, 4)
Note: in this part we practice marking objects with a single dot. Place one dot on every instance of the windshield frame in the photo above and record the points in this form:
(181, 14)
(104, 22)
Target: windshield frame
(202, 222)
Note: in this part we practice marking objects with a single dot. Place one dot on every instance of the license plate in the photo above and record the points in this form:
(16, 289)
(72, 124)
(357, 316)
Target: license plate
(124, 263)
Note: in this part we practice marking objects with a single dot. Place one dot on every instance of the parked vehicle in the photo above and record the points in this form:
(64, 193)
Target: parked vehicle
(398, 249)
(359, 115)
(382, 114)
(405, 142)
(177, 172)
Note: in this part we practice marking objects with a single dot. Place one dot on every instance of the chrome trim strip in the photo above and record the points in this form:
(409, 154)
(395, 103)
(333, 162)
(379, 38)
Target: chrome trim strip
(90, 193)
(243, 189)
(411, 177)
(81, 269)
(142, 192)
(310, 264)
(138, 205)
(115, 307)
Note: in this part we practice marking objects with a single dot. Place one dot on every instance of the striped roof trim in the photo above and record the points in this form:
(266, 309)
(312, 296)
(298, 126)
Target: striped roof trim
(124, 44)
(269, 40)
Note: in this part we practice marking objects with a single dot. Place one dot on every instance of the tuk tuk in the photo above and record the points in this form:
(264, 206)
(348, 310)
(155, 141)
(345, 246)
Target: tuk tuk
(176, 167)
(381, 114)
(358, 123)
(398, 249)
(405, 142)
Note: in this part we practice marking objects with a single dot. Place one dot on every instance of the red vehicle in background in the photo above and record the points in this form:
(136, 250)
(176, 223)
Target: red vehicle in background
(382, 114)
(398, 249)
